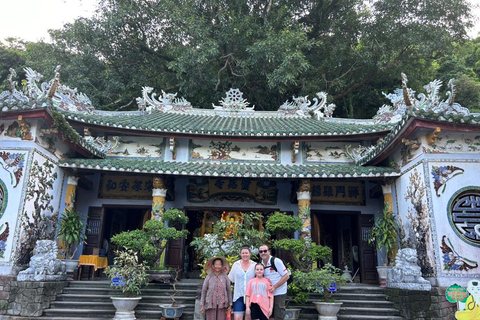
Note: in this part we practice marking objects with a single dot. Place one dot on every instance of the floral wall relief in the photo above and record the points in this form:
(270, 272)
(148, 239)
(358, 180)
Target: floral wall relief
(13, 163)
(419, 220)
(442, 174)
(452, 261)
(39, 223)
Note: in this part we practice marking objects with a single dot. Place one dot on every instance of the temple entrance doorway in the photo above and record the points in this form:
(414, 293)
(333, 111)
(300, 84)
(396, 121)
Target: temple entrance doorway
(105, 222)
(201, 222)
(342, 231)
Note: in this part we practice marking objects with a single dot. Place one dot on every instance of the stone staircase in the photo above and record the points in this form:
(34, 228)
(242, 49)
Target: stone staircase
(90, 300)
(360, 302)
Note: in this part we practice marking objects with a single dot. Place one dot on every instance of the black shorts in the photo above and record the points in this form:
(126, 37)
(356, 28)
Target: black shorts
(256, 312)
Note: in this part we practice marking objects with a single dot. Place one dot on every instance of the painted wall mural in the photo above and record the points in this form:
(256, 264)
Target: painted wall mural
(464, 214)
(455, 143)
(452, 260)
(457, 242)
(13, 163)
(324, 152)
(414, 219)
(40, 212)
(442, 174)
(11, 180)
(203, 150)
(4, 227)
(136, 147)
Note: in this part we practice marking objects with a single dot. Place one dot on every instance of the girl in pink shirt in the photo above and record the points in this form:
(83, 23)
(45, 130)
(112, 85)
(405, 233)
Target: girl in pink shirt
(259, 299)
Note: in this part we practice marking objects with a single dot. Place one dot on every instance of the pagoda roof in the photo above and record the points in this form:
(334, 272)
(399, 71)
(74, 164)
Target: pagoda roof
(207, 124)
(229, 169)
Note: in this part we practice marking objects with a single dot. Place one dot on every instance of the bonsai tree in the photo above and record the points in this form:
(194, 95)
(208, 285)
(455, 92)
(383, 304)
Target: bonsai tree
(301, 252)
(151, 241)
(127, 273)
(71, 232)
(384, 233)
(324, 281)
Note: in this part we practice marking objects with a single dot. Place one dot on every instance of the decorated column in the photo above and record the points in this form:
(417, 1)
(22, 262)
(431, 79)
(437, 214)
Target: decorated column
(304, 196)
(158, 198)
(388, 205)
(72, 183)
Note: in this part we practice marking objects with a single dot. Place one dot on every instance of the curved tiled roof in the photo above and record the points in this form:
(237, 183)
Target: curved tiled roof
(449, 118)
(223, 169)
(239, 126)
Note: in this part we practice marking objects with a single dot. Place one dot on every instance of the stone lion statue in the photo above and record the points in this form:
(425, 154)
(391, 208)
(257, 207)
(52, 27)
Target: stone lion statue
(44, 264)
(407, 274)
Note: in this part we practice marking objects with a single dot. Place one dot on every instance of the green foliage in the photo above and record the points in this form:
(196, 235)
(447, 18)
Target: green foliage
(301, 253)
(127, 273)
(384, 232)
(71, 232)
(324, 280)
(151, 241)
(353, 49)
(229, 236)
(284, 223)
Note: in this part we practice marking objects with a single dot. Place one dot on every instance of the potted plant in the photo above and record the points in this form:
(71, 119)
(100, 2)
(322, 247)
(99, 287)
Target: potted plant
(71, 233)
(384, 237)
(151, 241)
(175, 309)
(296, 295)
(301, 255)
(128, 275)
(324, 281)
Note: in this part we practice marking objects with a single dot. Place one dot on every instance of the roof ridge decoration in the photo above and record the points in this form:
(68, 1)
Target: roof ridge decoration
(404, 99)
(55, 94)
(12, 96)
(234, 101)
(167, 102)
(302, 106)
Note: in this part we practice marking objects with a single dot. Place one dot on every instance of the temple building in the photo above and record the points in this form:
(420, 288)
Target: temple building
(419, 157)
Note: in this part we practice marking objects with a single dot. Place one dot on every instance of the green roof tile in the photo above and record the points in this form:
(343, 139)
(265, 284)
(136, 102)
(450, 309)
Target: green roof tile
(221, 169)
(198, 124)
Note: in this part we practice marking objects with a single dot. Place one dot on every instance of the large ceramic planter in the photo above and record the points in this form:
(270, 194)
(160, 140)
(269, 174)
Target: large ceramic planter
(170, 312)
(292, 314)
(383, 275)
(70, 265)
(124, 307)
(327, 310)
(162, 276)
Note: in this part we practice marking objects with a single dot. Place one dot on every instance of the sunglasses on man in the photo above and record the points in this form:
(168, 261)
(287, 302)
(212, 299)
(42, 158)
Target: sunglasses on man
(262, 251)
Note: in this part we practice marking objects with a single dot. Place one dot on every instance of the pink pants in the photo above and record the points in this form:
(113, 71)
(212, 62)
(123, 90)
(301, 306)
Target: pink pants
(216, 314)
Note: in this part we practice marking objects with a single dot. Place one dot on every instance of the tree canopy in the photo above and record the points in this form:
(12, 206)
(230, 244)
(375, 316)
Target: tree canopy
(270, 50)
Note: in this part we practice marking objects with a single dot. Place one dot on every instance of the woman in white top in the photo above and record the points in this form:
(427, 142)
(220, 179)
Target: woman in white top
(242, 271)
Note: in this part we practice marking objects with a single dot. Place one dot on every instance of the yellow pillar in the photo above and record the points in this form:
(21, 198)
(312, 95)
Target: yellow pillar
(158, 206)
(388, 204)
(72, 183)
(158, 198)
(304, 196)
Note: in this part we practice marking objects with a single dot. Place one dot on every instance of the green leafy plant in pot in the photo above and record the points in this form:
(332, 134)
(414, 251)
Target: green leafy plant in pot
(384, 233)
(151, 241)
(384, 237)
(128, 275)
(324, 281)
(71, 233)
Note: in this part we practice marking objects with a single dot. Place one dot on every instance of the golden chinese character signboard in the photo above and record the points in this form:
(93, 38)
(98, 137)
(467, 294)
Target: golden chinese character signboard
(125, 187)
(343, 193)
(259, 191)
